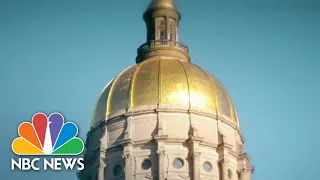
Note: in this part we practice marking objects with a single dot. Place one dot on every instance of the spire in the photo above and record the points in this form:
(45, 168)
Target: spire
(162, 20)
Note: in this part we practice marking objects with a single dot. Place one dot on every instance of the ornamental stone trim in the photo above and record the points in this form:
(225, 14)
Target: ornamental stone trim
(196, 155)
(161, 154)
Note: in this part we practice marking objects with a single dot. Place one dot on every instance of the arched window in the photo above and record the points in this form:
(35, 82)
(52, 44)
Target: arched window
(172, 30)
(151, 30)
(171, 35)
(162, 36)
(161, 28)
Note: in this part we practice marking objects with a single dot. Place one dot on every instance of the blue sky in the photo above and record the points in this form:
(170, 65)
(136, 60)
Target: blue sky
(58, 55)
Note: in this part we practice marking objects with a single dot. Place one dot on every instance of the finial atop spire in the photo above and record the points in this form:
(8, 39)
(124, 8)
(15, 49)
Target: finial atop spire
(161, 3)
(162, 19)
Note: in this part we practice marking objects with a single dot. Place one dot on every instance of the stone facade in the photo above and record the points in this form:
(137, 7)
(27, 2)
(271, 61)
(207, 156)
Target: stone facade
(208, 148)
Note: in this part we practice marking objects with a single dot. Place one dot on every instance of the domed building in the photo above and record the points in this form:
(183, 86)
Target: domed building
(164, 118)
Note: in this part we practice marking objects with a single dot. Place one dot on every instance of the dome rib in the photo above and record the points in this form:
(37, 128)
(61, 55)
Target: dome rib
(174, 86)
(159, 83)
(132, 82)
(145, 84)
(99, 104)
(110, 95)
(119, 91)
(231, 108)
(201, 94)
(216, 104)
(237, 118)
(185, 72)
(133, 79)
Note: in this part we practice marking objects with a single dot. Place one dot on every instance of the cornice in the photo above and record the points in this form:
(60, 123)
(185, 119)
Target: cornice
(126, 142)
(207, 144)
(195, 139)
(234, 154)
(150, 109)
(223, 146)
(160, 137)
(244, 156)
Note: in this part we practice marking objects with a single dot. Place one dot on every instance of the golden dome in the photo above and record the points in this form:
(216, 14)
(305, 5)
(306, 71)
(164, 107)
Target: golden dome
(163, 82)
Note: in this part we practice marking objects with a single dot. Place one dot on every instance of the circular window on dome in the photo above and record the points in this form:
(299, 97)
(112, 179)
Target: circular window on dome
(146, 164)
(178, 163)
(207, 167)
(230, 174)
(117, 170)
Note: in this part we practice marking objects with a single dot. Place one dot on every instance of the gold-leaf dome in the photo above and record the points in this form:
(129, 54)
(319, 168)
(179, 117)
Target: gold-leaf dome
(167, 82)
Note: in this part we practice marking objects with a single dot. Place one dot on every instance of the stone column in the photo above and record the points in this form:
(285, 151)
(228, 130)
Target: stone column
(161, 173)
(160, 138)
(167, 27)
(102, 165)
(194, 142)
(245, 174)
(127, 155)
(196, 165)
(248, 174)
(241, 174)
(101, 171)
(224, 169)
(128, 166)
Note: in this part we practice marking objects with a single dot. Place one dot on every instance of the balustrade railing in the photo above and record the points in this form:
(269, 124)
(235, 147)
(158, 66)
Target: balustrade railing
(161, 43)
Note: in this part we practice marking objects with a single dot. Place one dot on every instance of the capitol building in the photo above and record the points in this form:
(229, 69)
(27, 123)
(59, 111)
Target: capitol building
(164, 118)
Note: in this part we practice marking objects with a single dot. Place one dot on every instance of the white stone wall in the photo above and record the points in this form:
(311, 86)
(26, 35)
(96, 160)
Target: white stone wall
(193, 137)
(144, 126)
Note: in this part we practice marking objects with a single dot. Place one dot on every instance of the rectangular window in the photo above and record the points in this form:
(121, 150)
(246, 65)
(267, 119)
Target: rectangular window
(171, 35)
(161, 34)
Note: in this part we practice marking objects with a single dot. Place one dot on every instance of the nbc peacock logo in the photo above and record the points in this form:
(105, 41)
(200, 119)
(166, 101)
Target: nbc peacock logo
(47, 135)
